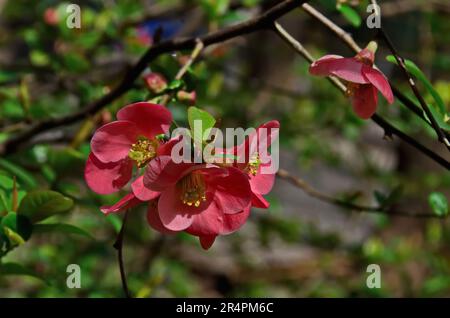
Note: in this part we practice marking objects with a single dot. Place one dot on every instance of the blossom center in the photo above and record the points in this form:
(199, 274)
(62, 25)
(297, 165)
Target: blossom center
(193, 189)
(351, 88)
(253, 164)
(142, 151)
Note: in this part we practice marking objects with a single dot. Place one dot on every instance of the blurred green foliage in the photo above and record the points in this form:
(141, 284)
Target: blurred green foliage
(50, 219)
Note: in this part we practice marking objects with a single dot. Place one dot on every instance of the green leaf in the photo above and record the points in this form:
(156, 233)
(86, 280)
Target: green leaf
(19, 172)
(175, 84)
(438, 203)
(17, 269)
(416, 72)
(207, 122)
(39, 58)
(41, 204)
(60, 228)
(350, 14)
(19, 224)
(13, 236)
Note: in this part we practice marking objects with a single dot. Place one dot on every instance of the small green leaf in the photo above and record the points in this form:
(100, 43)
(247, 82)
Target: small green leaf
(13, 237)
(41, 204)
(60, 228)
(415, 70)
(19, 224)
(196, 115)
(19, 172)
(17, 269)
(438, 203)
(350, 14)
(175, 84)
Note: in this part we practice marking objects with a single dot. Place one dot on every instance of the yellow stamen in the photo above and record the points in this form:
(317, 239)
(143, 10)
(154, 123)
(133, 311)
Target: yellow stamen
(253, 164)
(193, 189)
(143, 151)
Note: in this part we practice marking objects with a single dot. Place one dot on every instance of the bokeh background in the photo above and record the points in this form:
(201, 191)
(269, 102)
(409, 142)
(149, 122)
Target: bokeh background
(300, 247)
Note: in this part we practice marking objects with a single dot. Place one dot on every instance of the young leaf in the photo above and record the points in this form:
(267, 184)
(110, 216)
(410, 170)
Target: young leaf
(350, 14)
(19, 224)
(41, 204)
(196, 116)
(438, 203)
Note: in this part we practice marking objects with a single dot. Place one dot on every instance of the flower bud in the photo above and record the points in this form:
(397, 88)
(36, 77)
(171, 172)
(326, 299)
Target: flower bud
(187, 97)
(156, 83)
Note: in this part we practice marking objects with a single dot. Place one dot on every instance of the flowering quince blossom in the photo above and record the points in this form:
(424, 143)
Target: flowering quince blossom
(204, 200)
(363, 81)
(253, 159)
(129, 142)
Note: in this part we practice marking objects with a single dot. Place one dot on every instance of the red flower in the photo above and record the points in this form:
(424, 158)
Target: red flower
(253, 158)
(363, 81)
(130, 141)
(203, 199)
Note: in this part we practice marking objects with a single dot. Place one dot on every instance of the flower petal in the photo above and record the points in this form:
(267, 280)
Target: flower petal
(162, 172)
(154, 221)
(262, 183)
(150, 119)
(207, 241)
(365, 101)
(166, 148)
(258, 201)
(232, 192)
(106, 178)
(112, 142)
(213, 221)
(126, 202)
(174, 216)
(379, 81)
(142, 192)
(347, 68)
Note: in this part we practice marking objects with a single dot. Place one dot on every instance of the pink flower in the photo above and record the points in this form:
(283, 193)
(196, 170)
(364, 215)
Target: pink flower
(254, 160)
(120, 145)
(203, 199)
(363, 81)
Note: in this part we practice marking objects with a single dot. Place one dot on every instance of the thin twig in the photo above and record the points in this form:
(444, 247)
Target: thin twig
(412, 84)
(195, 53)
(118, 245)
(388, 128)
(301, 184)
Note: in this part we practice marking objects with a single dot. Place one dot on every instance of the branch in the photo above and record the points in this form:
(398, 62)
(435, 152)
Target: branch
(388, 128)
(301, 184)
(118, 245)
(264, 21)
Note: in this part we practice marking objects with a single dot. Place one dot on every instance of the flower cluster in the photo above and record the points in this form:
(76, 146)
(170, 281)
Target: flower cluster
(204, 199)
